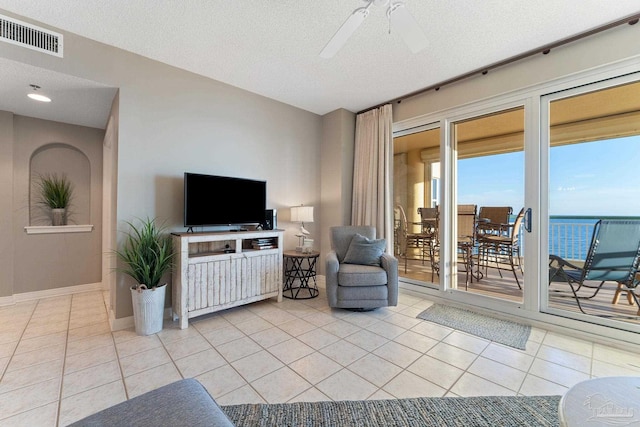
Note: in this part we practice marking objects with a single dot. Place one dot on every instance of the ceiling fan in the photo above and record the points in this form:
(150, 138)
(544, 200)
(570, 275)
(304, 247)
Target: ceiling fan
(399, 18)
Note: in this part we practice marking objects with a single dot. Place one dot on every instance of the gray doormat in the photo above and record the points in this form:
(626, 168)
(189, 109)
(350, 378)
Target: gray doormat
(489, 411)
(501, 331)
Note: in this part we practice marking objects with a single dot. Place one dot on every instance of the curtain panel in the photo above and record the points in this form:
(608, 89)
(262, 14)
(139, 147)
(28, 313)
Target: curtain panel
(372, 172)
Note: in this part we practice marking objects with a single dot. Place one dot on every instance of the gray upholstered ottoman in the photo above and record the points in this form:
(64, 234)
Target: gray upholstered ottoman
(182, 403)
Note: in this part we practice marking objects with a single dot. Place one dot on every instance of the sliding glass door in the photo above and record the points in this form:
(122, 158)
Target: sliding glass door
(488, 192)
(592, 139)
(416, 187)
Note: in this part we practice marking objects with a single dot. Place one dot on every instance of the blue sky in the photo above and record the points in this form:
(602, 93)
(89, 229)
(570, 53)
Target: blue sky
(599, 178)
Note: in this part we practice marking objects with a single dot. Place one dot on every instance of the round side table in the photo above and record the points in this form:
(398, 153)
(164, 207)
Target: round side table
(300, 275)
(606, 402)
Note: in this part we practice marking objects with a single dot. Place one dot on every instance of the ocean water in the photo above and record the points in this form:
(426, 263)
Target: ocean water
(570, 237)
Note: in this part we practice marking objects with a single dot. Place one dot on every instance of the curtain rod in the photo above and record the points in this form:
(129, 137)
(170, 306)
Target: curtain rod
(631, 20)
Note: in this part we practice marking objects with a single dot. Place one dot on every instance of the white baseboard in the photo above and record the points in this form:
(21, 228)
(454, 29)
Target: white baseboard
(49, 293)
(10, 300)
(120, 324)
(128, 323)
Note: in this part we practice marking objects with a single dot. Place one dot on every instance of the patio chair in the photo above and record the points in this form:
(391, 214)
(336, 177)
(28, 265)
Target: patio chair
(467, 238)
(492, 220)
(503, 248)
(410, 240)
(614, 255)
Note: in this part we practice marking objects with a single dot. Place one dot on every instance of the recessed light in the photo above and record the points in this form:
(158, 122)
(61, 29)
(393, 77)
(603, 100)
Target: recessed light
(36, 96)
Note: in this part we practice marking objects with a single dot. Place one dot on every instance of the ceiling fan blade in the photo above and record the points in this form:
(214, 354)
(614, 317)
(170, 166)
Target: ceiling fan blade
(406, 25)
(346, 30)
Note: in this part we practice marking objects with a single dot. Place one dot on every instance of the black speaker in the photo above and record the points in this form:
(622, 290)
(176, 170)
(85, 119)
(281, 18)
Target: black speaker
(270, 220)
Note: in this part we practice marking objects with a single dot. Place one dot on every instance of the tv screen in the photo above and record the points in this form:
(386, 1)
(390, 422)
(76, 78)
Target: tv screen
(222, 200)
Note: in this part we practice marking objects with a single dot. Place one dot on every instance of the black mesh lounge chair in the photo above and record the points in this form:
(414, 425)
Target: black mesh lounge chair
(614, 255)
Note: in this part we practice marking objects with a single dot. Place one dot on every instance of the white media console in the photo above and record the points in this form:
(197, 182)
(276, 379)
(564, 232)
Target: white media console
(219, 270)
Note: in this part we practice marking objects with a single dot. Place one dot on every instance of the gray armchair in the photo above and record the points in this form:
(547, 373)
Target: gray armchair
(358, 286)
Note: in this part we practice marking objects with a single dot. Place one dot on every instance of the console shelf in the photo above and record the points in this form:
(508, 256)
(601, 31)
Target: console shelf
(219, 270)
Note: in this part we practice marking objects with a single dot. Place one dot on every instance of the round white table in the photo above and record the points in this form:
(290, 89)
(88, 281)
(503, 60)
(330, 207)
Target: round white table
(606, 402)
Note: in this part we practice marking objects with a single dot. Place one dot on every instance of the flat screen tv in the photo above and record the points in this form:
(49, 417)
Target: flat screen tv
(220, 200)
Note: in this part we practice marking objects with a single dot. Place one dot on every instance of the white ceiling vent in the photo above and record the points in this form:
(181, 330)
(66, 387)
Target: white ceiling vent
(30, 36)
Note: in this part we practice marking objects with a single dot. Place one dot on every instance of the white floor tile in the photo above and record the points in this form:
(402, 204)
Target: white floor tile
(472, 385)
(26, 398)
(375, 369)
(397, 354)
(466, 342)
(408, 385)
(436, 371)
(186, 347)
(293, 351)
(86, 379)
(556, 373)
(270, 337)
(565, 358)
(44, 416)
(345, 385)
(78, 406)
(257, 365)
(290, 350)
(199, 363)
(508, 356)
(97, 356)
(498, 373)
(238, 349)
(244, 394)
(151, 379)
(536, 386)
(315, 367)
(452, 355)
(318, 338)
(280, 386)
(367, 340)
(221, 381)
(343, 352)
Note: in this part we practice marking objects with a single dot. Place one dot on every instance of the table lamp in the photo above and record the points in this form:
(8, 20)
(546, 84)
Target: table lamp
(302, 214)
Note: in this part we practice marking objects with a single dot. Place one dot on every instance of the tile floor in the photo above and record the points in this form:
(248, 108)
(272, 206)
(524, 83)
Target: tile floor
(59, 361)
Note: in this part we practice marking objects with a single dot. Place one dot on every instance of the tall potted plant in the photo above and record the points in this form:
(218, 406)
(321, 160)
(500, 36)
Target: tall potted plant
(56, 192)
(147, 255)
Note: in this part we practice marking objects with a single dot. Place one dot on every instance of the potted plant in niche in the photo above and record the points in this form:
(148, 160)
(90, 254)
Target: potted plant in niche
(147, 255)
(56, 192)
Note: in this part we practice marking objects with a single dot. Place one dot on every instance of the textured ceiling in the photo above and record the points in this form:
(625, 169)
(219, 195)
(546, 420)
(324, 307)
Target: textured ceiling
(271, 47)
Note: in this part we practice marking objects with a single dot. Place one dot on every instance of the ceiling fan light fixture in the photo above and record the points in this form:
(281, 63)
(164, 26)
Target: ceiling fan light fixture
(345, 31)
(399, 18)
(406, 25)
(37, 96)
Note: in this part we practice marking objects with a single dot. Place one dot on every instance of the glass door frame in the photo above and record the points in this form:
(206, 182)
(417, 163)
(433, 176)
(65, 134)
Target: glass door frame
(448, 192)
(545, 136)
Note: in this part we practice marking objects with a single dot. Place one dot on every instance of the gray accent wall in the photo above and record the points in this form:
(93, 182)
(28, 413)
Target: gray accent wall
(6, 211)
(170, 121)
(49, 261)
(336, 164)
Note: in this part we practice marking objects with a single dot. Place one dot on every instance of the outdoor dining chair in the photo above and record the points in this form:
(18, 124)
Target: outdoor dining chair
(502, 248)
(614, 255)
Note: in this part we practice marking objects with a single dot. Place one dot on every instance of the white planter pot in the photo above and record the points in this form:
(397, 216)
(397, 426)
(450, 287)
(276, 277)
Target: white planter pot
(148, 309)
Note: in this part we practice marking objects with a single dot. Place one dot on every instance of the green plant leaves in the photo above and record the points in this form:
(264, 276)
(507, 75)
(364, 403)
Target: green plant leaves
(56, 190)
(147, 252)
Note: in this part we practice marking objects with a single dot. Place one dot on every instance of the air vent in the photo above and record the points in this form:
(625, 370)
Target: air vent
(30, 36)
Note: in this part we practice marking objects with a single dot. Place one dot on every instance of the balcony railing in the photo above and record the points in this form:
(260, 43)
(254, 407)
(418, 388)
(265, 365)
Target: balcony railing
(570, 236)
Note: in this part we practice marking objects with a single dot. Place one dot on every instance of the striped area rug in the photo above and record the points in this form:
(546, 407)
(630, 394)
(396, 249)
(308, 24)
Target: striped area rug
(489, 411)
(501, 331)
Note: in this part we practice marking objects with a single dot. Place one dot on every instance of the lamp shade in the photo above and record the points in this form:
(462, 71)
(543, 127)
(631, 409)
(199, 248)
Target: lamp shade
(302, 214)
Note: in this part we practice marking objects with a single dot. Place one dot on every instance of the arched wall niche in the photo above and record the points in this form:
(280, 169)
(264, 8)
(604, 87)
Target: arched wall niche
(61, 159)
